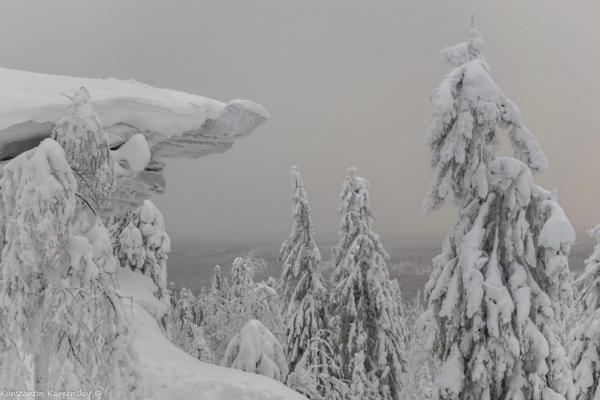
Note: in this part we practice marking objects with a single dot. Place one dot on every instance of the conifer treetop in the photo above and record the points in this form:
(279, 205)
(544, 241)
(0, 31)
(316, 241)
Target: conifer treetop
(468, 108)
(86, 145)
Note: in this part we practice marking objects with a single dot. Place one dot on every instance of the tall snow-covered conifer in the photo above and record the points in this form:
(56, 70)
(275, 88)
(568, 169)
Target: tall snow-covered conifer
(366, 318)
(498, 292)
(301, 286)
(584, 338)
(86, 146)
(217, 281)
(38, 191)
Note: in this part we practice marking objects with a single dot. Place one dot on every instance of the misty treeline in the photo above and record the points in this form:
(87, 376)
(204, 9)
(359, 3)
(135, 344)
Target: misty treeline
(504, 317)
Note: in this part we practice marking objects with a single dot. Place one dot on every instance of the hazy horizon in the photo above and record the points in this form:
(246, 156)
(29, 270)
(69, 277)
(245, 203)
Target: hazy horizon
(346, 84)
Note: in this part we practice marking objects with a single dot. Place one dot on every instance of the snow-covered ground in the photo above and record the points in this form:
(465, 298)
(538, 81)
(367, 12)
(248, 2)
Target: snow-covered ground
(170, 373)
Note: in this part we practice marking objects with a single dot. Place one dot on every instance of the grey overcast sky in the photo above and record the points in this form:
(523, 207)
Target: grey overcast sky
(346, 83)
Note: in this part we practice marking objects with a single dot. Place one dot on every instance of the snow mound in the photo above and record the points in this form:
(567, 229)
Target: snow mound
(255, 349)
(557, 230)
(170, 373)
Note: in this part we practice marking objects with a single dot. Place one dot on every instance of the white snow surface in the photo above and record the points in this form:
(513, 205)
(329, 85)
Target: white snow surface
(170, 373)
(30, 96)
(135, 152)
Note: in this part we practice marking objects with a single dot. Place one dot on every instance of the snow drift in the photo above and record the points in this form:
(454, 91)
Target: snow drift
(170, 373)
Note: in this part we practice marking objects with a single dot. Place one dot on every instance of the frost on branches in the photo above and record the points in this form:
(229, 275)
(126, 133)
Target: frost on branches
(584, 338)
(141, 243)
(257, 351)
(369, 330)
(301, 286)
(499, 290)
(87, 150)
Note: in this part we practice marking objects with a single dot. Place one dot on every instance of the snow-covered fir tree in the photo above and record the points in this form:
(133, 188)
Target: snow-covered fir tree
(227, 311)
(199, 347)
(57, 259)
(249, 300)
(172, 296)
(216, 280)
(256, 350)
(87, 150)
(141, 243)
(216, 299)
(366, 320)
(584, 337)
(187, 332)
(37, 189)
(262, 303)
(317, 374)
(498, 293)
(303, 292)
(243, 271)
(417, 380)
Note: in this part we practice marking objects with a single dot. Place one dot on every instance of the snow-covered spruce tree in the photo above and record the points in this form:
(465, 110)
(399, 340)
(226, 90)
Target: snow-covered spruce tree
(302, 290)
(141, 243)
(201, 302)
(244, 300)
(262, 303)
(216, 298)
(494, 317)
(366, 320)
(94, 343)
(199, 347)
(58, 301)
(317, 374)
(38, 202)
(182, 333)
(257, 351)
(417, 381)
(216, 280)
(249, 300)
(87, 293)
(87, 150)
(186, 332)
(243, 271)
(584, 337)
(172, 295)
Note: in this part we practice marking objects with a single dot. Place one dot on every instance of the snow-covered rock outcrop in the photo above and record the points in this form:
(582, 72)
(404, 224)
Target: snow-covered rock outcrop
(175, 124)
(143, 125)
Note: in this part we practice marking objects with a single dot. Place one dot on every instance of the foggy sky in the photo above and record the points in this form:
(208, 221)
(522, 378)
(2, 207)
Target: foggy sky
(346, 84)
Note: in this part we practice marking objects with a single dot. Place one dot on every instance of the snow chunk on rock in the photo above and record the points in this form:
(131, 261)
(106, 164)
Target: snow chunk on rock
(557, 230)
(134, 152)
